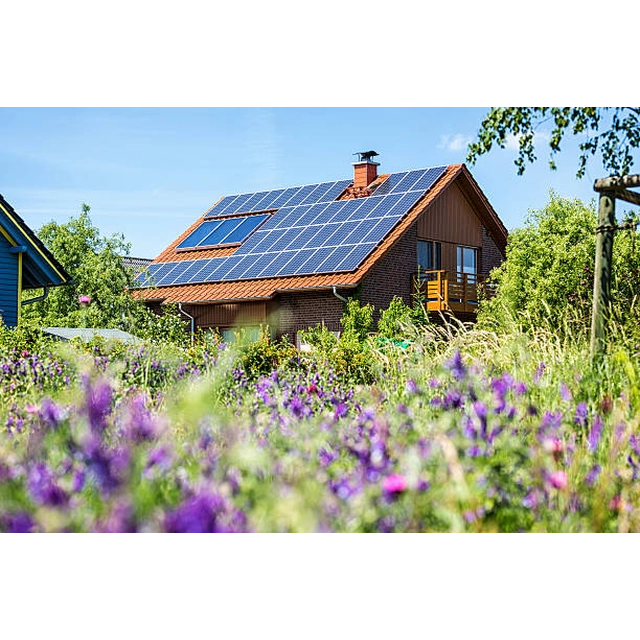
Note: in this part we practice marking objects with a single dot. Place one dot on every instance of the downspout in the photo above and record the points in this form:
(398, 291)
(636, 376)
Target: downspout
(38, 298)
(190, 317)
(337, 295)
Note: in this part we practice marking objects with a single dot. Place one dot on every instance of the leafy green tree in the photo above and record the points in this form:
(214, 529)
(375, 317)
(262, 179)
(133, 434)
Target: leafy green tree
(613, 131)
(97, 295)
(547, 277)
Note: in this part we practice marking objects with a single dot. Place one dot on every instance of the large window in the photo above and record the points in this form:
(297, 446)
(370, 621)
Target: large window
(222, 232)
(429, 255)
(467, 260)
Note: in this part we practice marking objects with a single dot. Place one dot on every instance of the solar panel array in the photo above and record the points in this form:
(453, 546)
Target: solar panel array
(278, 198)
(304, 239)
(221, 232)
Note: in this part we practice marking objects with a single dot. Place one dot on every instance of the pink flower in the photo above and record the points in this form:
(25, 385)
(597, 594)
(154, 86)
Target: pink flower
(558, 479)
(394, 483)
(84, 300)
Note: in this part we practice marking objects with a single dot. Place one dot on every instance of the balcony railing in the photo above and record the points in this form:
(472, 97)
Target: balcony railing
(452, 291)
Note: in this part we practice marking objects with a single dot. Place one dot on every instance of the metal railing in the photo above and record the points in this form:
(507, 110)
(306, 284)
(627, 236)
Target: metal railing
(452, 291)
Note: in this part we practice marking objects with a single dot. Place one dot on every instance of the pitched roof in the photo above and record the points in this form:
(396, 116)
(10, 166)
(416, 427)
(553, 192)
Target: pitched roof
(40, 268)
(266, 287)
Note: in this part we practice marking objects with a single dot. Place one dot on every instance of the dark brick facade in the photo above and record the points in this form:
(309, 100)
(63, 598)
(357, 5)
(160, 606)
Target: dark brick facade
(491, 256)
(301, 310)
(391, 275)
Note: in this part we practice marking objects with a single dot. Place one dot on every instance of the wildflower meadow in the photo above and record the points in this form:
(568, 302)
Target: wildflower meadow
(452, 429)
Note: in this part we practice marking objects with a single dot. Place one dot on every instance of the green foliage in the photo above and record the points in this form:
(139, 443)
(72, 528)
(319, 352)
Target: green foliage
(547, 278)
(397, 321)
(264, 355)
(614, 131)
(548, 274)
(95, 265)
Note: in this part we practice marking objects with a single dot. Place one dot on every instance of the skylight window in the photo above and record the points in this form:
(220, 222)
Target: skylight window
(215, 233)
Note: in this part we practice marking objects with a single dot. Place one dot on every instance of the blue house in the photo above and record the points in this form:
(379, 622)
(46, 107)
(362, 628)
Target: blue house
(25, 263)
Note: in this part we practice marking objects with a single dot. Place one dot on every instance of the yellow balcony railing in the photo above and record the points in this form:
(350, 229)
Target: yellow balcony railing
(452, 291)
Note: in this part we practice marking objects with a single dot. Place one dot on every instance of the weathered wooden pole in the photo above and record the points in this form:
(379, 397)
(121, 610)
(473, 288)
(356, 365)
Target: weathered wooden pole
(602, 272)
(609, 189)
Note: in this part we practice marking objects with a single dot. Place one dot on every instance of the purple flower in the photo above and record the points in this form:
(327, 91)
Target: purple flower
(204, 513)
(456, 366)
(595, 434)
(98, 403)
(20, 522)
(140, 426)
(582, 411)
(565, 394)
(326, 456)
(43, 488)
(593, 474)
(52, 415)
(539, 372)
(411, 386)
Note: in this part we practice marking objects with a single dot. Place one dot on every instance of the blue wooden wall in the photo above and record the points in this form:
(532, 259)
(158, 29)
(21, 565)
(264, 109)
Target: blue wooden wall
(8, 284)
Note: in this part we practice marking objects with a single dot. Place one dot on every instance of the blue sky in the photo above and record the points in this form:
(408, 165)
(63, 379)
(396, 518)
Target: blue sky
(150, 172)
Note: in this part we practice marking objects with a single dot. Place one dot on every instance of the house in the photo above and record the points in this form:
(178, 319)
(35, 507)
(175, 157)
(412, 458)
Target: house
(25, 263)
(290, 257)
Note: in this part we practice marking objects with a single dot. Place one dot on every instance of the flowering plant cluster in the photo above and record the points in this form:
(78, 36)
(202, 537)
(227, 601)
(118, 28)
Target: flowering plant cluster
(141, 443)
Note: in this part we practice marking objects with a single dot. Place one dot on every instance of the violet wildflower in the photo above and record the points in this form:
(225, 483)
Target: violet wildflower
(456, 366)
(43, 488)
(326, 456)
(411, 386)
(582, 411)
(539, 372)
(593, 474)
(203, 513)
(20, 522)
(98, 403)
(565, 394)
(595, 434)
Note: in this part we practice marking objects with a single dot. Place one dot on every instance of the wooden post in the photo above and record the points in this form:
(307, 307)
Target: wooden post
(602, 272)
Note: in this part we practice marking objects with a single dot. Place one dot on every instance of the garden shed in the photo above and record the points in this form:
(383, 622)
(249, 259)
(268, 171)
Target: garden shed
(289, 257)
(25, 263)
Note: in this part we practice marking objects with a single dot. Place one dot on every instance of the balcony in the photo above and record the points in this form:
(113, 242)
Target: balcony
(452, 291)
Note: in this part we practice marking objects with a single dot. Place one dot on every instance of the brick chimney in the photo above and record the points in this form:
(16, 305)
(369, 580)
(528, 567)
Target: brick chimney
(365, 170)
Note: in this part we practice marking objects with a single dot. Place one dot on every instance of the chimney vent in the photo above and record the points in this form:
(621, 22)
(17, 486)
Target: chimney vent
(365, 170)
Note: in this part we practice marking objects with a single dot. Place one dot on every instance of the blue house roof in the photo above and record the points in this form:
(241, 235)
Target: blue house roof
(39, 267)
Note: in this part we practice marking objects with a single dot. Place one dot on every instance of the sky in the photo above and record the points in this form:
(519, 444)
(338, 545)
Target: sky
(149, 172)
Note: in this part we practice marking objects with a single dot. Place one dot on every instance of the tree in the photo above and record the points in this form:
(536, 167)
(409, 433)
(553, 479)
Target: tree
(97, 295)
(614, 131)
(547, 277)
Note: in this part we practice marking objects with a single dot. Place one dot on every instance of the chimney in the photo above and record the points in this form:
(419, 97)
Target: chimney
(365, 170)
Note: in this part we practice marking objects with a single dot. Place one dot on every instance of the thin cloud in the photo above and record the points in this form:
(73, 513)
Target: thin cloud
(454, 142)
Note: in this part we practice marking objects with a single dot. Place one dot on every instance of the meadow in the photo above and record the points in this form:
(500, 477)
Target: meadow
(449, 429)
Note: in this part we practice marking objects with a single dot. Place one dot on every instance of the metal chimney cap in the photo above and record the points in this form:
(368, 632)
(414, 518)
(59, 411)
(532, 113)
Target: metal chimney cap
(365, 156)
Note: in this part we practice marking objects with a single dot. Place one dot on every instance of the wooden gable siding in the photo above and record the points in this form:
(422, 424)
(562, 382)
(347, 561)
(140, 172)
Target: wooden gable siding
(452, 221)
(228, 315)
(8, 284)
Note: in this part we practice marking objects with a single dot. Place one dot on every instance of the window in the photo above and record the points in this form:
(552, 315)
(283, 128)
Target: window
(244, 335)
(467, 260)
(429, 255)
(220, 232)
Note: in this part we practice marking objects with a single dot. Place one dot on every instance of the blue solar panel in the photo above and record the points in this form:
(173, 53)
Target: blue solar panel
(170, 277)
(310, 233)
(199, 234)
(355, 257)
(193, 266)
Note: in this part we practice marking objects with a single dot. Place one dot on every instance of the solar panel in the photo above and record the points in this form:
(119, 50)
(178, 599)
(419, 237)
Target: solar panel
(310, 232)
(277, 198)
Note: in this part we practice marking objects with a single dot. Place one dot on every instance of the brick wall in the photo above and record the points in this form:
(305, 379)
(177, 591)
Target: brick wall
(295, 311)
(391, 275)
(491, 256)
